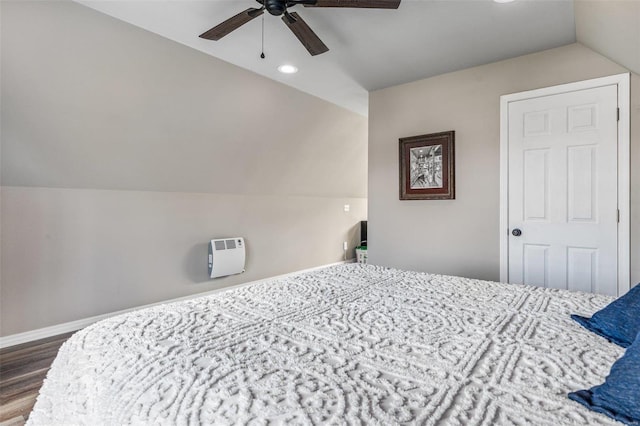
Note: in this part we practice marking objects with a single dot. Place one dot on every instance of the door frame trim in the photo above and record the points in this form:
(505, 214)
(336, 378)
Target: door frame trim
(624, 189)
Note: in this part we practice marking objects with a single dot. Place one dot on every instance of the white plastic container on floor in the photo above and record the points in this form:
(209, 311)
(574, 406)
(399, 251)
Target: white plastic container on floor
(361, 255)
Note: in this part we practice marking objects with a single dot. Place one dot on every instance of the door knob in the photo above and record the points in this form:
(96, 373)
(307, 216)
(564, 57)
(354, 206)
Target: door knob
(516, 232)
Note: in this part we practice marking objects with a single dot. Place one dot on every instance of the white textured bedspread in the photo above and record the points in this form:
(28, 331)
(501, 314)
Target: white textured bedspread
(350, 344)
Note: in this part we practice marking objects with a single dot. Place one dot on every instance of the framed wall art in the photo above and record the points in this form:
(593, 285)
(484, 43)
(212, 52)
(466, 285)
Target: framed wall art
(427, 167)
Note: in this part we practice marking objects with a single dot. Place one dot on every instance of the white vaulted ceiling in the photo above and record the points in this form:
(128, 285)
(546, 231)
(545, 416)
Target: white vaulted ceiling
(369, 49)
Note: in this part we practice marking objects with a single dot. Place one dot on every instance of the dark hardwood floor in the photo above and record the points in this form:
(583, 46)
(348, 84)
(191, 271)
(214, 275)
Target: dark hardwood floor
(22, 370)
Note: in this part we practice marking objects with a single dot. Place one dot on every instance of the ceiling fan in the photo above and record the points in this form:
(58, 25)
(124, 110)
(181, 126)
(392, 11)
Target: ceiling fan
(296, 24)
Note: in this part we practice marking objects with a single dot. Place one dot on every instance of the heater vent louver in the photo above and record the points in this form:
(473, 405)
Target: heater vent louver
(226, 257)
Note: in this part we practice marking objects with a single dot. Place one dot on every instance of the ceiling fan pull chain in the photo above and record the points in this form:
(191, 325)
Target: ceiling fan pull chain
(262, 53)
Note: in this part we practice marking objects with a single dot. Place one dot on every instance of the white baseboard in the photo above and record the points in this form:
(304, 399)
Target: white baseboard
(54, 330)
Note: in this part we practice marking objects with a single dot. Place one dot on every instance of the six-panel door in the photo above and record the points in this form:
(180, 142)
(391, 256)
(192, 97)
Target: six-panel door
(563, 190)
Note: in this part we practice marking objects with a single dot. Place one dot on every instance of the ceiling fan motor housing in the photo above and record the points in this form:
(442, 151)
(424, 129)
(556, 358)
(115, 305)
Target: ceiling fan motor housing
(275, 7)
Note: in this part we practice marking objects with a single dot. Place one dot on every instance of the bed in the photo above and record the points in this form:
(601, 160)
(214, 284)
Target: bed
(349, 344)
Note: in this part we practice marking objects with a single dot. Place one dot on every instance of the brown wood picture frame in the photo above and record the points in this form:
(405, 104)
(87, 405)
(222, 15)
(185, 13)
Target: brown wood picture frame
(427, 167)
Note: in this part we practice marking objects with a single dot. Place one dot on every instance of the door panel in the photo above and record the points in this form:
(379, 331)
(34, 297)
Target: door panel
(536, 184)
(536, 264)
(582, 269)
(563, 190)
(582, 183)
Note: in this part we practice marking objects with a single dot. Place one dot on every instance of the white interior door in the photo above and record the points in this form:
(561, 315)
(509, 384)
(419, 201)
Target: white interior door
(563, 191)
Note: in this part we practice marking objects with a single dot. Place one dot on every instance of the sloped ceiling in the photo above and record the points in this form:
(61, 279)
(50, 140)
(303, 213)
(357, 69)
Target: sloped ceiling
(370, 49)
(611, 28)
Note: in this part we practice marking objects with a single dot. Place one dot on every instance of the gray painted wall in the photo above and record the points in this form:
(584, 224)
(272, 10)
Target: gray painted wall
(460, 237)
(123, 153)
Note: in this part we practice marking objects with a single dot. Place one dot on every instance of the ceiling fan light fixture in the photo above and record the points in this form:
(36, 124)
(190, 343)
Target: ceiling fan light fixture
(288, 69)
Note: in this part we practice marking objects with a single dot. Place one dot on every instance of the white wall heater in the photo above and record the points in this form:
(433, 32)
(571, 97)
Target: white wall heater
(226, 257)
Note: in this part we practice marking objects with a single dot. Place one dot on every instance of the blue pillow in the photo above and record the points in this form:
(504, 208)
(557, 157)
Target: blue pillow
(619, 396)
(619, 321)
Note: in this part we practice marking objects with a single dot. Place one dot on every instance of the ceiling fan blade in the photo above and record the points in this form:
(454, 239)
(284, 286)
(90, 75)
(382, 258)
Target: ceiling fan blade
(371, 4)
(307, 37)
(231, 24)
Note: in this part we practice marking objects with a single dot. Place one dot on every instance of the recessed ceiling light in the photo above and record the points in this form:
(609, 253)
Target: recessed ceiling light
(503, 1)
(287, 69)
